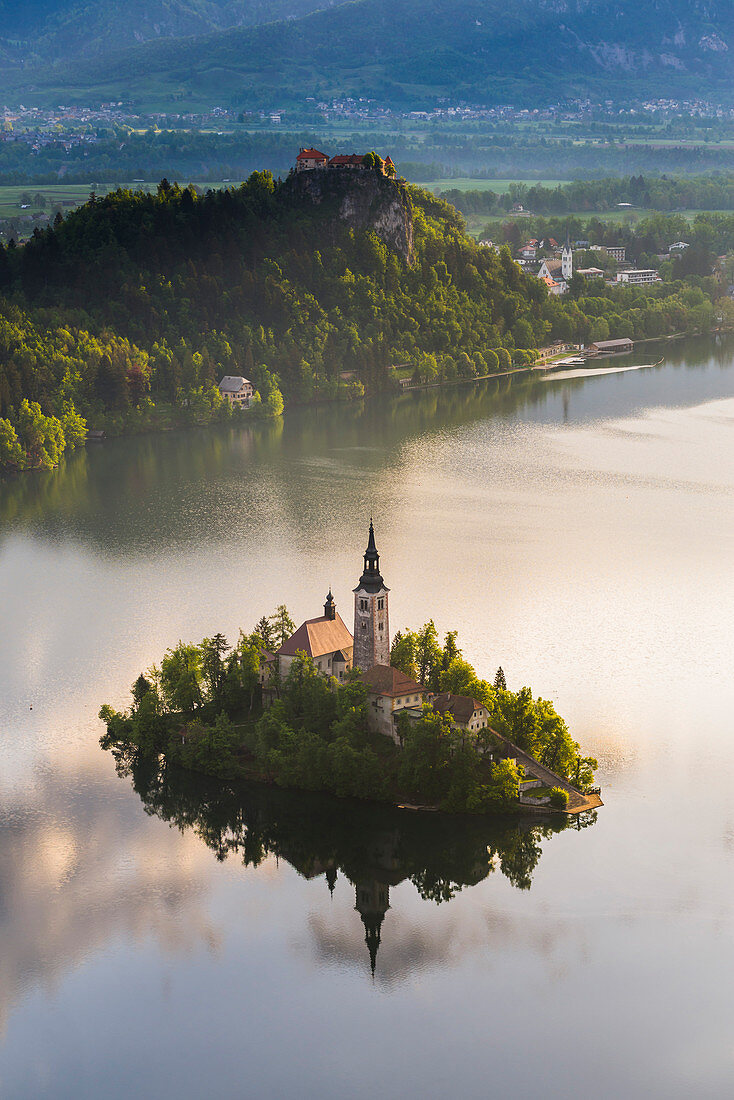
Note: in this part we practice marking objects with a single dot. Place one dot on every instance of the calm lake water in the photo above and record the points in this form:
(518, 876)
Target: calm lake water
(179, 939)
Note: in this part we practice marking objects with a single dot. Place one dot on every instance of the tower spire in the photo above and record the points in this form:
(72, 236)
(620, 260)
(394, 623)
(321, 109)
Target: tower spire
(371, 621)
(371, 576)
(330, 607)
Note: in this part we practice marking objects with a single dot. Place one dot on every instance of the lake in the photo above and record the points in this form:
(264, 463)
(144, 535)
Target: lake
(180, 938)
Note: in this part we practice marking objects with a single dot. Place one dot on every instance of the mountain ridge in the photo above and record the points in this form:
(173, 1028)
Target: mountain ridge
(408, 52)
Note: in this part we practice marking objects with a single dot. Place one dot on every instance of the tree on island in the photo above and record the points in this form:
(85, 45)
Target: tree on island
(500, 682)
(264, 629)
(283, 625)
(196, 711)
(213, 651)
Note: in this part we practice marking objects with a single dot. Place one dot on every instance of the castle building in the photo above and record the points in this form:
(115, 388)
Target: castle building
(371, 622)
(311, 158)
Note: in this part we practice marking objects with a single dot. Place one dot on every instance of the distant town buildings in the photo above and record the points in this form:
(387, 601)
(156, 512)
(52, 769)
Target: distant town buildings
(639, 276)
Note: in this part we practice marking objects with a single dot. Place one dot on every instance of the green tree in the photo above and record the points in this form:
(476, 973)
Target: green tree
(282, 624)
(264, 630)
(403, 653)
(428, 655)
(11, 452)
(181, 678)
(213, 669)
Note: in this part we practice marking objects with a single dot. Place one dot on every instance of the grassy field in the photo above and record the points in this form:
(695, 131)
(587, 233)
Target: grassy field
(477, 223)
(14, 198)
(466, 183)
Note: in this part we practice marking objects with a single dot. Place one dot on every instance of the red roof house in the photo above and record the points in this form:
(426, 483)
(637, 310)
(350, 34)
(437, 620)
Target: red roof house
(311, 158)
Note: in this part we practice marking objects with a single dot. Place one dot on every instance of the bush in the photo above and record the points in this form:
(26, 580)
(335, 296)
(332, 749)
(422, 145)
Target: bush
(559, 798)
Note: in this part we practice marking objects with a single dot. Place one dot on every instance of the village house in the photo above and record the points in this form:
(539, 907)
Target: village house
(238, 391)
(390, 693)
(465, 713)
(528, 251)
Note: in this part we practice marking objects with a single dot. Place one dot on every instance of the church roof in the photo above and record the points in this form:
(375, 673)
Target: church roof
(552, 266)
(386, 680)
(317, 637)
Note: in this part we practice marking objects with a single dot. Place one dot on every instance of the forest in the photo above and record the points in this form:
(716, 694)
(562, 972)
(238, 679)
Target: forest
(422, 151)
(202, 710)
(127, 312)
(660, 193)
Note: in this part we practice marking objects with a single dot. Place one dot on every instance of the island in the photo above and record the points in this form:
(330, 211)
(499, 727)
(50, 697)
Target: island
(323, 709)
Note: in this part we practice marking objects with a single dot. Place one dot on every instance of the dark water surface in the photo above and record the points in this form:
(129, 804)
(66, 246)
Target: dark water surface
(179, 939)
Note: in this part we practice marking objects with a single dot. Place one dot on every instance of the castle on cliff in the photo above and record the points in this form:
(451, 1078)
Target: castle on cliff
(308, 159)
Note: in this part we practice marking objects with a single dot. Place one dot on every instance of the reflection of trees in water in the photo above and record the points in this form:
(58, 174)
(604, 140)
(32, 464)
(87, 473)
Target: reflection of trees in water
(184, 487)
(374, 847)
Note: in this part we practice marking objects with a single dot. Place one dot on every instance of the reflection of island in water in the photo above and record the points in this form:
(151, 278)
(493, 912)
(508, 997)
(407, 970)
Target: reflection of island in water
(373, 847)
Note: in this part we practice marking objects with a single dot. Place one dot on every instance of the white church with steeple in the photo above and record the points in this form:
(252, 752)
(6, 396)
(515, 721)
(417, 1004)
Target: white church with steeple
(557, 274)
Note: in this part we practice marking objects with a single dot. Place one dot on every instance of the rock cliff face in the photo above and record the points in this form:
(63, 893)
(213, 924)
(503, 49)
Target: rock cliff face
(362, 198)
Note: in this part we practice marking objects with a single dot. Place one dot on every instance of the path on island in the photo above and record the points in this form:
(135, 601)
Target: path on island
(577, 802)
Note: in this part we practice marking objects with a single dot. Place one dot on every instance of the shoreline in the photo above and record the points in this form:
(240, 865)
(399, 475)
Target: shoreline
(589, 802)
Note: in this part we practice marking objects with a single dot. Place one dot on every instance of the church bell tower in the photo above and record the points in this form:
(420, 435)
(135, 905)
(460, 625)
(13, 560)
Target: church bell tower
(567, 259)
(371, 623)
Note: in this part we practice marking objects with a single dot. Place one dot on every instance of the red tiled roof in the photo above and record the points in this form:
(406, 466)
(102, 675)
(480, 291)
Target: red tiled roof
(317, 637)
(311, 154)
(346, 158)
(386, 680)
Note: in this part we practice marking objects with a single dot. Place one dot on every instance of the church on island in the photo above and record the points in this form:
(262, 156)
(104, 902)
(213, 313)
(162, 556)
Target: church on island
(326, 640)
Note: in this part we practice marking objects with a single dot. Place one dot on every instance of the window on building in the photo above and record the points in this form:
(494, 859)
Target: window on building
(382, 626)
(364, 626)
(380, 605)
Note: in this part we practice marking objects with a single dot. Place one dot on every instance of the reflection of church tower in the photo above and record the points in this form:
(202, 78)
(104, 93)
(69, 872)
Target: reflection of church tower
(567, 259)
(373, 901)
(371, 624)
